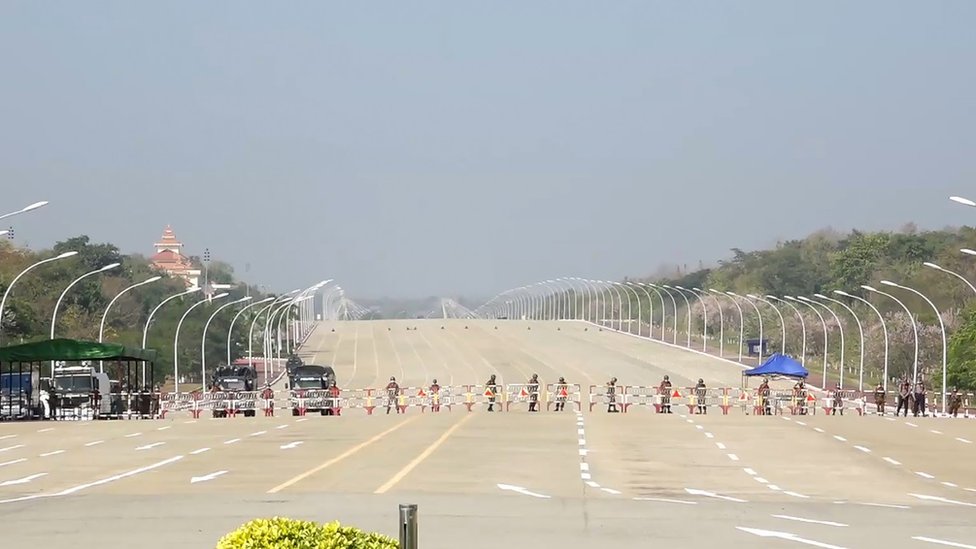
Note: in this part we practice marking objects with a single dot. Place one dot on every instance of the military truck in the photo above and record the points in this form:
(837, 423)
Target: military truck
(310, 378)
(231, 382)
(293, 362)
(82, 392)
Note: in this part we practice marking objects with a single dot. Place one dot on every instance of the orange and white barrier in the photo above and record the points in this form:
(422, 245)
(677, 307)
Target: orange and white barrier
(563, 393)
(614, 398)
(517, 393)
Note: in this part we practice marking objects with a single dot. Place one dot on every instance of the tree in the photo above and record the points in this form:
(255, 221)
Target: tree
(962, 356)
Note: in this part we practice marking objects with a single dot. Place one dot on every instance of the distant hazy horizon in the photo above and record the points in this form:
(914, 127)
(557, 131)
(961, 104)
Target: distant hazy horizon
(460, 149)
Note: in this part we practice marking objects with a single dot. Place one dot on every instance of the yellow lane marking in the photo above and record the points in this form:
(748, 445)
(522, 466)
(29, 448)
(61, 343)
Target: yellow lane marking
(340, 457)
(423, 455)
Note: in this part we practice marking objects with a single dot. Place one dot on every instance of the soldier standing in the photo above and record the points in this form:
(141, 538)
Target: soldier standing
(879, 398)
(664, 389)
(561, 388)
(392, 392)
(955, 402)
(492, 386)
(919, 399)
(533, 387)
(800, 394)
(612, 395)
(701, 391)
(334, 408)
(904, 390)
(435, 397)
(838, 401)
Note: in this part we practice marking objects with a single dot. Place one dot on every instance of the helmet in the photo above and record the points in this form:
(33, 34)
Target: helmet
(392, 378)
(435, 382)
(700, 380)
(562, 380)
(665, 378)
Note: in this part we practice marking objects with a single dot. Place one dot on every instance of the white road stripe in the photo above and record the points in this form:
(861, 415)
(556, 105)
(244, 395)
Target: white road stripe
(191, 421)
(944, 542)
(54, 453)
(580, 432)
(935, 432)
(943, 500)
(232, 441)
(259, 433)
(150, 446)
(720, 445)
(840, 438)
(863, 449)
(133, 435)
(818, 429)
(910, 424)
(46, 430)
(582, 442)
(888, 505)
(14, 462)
(585, 476)
(301, 420)
(760, 480)
(950, 485)
(733, 457)
(891, 461)
(200, 451)
(584, 466)
(8, 448)
(774, 487)
(95, 443)
(164, 428)
(796, 495)
(925, 475)
(699, 427)
(5, 437)
(810, 521)
(709, 435)
(611, 491)
(665, 500)
(801, 423)
(592, 484)
(749, 471)
(964, 440)
(281, 426)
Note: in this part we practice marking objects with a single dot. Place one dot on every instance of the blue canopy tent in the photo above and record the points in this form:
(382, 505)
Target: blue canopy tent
(778, 366)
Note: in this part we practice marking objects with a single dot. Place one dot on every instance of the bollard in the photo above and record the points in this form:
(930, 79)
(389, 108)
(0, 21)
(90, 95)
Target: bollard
(408, 526)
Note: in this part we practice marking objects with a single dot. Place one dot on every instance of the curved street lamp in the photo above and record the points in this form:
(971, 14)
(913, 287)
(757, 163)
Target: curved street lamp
(230, 330)
(25, 209)
(145, 330)
(860, 330)
(911, 319)
(3, 301)
(839, 327)
(938, 316)
(687, 310)
(931, 265)
(203, 340)
(738, 308)
(758, 315)
(54, 316)
(704, 316)
(782, 321)
(884, 330)
(101, 326)
(803, 327)
(176, 341)
(822, 323)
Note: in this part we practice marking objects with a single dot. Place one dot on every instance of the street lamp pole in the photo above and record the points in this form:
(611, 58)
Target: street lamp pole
(3, 301)
(687, 309)
(738, 308)
(145, 330)
(782, 322)
(704, 316)
(25, 209)
(839, 327)
(938, 316)
(230, 330)
(860, 330)
(803, 327)
(884, 330)
(57, 304)
(176, 341)
(203, 340)
(910, 319)
(759, 316)
(101, 326)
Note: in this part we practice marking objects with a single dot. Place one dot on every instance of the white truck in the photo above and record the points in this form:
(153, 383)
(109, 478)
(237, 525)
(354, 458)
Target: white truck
(81, 392)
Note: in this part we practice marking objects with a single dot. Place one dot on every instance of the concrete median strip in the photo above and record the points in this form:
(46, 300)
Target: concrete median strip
(341, 457)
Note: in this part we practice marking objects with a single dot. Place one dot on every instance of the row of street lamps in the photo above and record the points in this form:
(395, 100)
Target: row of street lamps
(280, 307)
(526, 302)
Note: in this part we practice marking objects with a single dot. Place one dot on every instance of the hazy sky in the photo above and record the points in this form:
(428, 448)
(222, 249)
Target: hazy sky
(445, 148)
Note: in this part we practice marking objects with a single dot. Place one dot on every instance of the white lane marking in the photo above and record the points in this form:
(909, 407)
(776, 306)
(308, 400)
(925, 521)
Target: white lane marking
(5, 437)
(259, 433)
(164, 428)
(966, 441)
(583, 451)
(840, 438)
(967, 489)
(291, 445)
(585, 476)
(699, 427)
(796, 495)
(13, 462)
(582, 442)
(46, 430)
(786, 418)
(95, 443)
(24, 480)
(584, 466)
(887, 505)
(924, 475)
(944, 542)
(810, 521)
(200, 451)
(733, 457)
(690, 420)
(204, 478)
(150, 446)
(774, 487)
(910, 424)
(580, 432)
(749, 471)
(890, 418)
(863, 449)
(801, 423)
(697, 492)
(301, 420)
(54, 453)
(133, 435)
(818, 429)
(787, 536)
(950, 485)
(120, 476)
(191, 421)
(709, 435)
(720, 445)
(935, 432)
(592, 484)
(232, 441)
(282, 426)
(891, 461)
(943, 500)
(8, 448)
(760, 480)
(611, 491)
(665, 500)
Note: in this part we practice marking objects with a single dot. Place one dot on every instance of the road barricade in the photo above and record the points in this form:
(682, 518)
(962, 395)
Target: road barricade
(360, 398)
(492, 397)
(412, 397)
(617, 399)
(563, 393)
(444, 397)
(231, 403)
(835, 401)
(517, 393)
(700, 400)
(302, 401)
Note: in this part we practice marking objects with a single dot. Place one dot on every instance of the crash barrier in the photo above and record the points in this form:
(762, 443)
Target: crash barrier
(558, 395)
(231, 403)
(611, 396)
(527, 393)
(834, 402)
(323, 401)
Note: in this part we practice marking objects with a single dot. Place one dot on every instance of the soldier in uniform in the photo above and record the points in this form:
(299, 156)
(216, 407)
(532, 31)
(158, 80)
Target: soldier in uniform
(392, 392)
(879, 398)
(838, 401)
(560, 399)
(919, 399)
(800, 396)
(333, 409)
(492, 386)
(763, 391)
(904, 391)
(435, 397)
(700, 392)
(533, 387)
(664, 389)
(612, 395)
(955, 402)
(268, 396)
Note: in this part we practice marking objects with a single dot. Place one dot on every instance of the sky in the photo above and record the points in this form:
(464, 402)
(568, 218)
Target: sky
(458, 148)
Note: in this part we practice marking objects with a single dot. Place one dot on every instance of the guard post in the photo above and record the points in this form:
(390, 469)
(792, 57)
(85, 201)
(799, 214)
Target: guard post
(408, 526)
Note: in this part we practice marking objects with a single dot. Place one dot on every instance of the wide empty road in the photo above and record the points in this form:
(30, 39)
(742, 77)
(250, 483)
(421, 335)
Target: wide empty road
(508, 479)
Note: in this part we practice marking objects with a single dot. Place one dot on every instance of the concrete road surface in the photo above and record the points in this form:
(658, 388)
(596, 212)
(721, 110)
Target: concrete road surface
(509, 479)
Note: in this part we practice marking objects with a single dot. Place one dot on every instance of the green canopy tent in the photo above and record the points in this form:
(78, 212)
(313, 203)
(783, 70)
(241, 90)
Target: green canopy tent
(21, 366)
